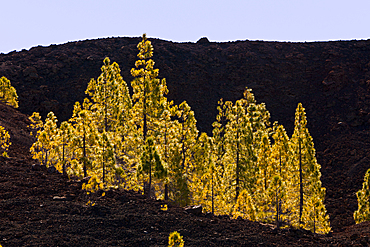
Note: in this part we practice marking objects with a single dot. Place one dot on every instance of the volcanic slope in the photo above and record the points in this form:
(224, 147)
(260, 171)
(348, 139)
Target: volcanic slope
(331, 79)
(39, 208)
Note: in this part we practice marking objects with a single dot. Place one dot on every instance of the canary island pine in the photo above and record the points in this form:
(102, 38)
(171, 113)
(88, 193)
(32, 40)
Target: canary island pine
(43, 148)
(282, 188)
(183, 160)
(363, 196)
(8, 94)
(175, 240)
(84, 140)
(148, 91)
(148, 98)
(244, 207)
(62, 148)
(110, 106)
(309, 194)
(151, 165)
(4, 141)
(204, 186)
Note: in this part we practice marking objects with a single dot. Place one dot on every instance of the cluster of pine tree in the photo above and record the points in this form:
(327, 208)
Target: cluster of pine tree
(247, 169)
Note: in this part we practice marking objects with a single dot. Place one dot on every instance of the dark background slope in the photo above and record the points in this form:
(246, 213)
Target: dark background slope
(331, 79)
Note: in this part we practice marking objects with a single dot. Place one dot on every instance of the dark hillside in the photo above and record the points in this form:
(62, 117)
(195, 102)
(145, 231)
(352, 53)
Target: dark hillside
(331, 79)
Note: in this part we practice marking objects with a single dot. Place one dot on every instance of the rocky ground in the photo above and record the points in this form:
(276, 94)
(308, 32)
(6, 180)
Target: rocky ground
(40, 208)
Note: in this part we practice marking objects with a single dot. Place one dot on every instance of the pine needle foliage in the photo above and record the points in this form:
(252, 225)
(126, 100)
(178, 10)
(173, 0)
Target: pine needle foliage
(363, 198)
(309, 194)
(43, 148)
(244, 207)
(151, 164)
(8, 94)
(175, 240)
(4, 141)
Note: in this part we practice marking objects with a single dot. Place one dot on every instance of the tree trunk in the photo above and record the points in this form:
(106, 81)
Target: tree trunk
(63, 162)
(277, 209)
(300, 184)
(213, 199)
(166, 191)
(150, 180)
(84, 155)
(104, 159)
(237, 165)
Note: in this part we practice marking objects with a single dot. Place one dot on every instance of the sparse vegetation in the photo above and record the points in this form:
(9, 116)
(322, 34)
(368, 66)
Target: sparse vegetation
(175, 240)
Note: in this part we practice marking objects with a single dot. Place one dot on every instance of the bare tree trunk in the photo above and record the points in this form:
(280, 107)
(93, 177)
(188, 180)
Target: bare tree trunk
(237, 166)
(166, 191)
(64, 165)
(277, 209)
(300, 184)
(213, 199)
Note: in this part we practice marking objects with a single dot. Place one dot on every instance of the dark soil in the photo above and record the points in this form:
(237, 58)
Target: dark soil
(331, 79)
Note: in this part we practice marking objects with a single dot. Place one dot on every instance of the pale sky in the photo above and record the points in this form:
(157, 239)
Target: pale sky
(28, 23)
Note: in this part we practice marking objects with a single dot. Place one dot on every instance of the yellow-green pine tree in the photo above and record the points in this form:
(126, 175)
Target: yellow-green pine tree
(43, 148)
(151, 164)
(219, 154)
(111, 104)
(8, 94)
(4, 141)
(363, 198)
(204, 186)
(244, 206)
(84, 141)
(285, 189)
(307, 178)
(166, 141)
(264, 178)
(181, 164)
(148, 97)
(62, 146)
(148, 90)
(241, 158)
(175, 240)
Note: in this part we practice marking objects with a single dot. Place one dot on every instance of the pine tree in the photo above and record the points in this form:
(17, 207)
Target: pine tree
(363, 195)
(43, 148)
(166, 141)
(281, 162)
(240, 169)
(8, 94)
(218, 135)
(275, 197)
(149, 101)
(111, 104)
(84, 141)
(4, 141)
(205, 176)
(151, 164)
(175, 240)
(62, 146)
(307, 176)
(244, 207)
(148, 90)
(181, 165)
(264, 178)
(36, 124)
(219, 154)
